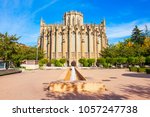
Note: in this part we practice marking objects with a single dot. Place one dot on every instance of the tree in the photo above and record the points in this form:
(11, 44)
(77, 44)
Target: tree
(137, 36)
(8, 45)
(11, 50)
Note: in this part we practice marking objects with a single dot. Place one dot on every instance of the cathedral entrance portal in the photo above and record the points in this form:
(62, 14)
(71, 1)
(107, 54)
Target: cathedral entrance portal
(73, 63)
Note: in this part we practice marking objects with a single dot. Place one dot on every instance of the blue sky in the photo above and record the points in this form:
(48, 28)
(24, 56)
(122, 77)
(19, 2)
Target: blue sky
(22, 17)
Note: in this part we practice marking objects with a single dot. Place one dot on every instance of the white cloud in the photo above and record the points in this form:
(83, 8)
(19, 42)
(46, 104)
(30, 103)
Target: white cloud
(123, 30)
(44, 7)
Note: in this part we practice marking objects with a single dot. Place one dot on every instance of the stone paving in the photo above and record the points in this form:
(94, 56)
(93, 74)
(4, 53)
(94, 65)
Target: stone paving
(120, 83)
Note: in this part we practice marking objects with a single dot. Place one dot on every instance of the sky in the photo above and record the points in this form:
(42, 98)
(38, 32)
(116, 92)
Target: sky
(22, 17)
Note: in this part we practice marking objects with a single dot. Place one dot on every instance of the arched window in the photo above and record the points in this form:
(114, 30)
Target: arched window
(59, 43)
(68, 23)
(78, 21)
(79, 42)
(91, 43)
(86, 42)
(99, 45)
(73, 21)
(73, 42)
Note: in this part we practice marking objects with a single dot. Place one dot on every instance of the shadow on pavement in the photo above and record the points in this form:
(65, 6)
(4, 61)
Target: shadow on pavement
(137, 75)
(83, 96)
(142, 91)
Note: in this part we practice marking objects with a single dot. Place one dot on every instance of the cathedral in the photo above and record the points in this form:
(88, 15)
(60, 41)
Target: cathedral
(73, 39)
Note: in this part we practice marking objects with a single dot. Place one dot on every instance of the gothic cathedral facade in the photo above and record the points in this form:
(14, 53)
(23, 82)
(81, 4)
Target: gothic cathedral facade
(73, 39)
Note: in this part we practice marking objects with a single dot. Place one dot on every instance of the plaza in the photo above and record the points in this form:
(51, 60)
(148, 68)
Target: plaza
(120, 84)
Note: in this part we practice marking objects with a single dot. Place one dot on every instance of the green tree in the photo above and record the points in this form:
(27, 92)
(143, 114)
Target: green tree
(8, 46)
(137, 36)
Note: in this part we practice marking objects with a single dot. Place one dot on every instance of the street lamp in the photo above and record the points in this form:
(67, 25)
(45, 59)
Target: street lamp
(37, 48)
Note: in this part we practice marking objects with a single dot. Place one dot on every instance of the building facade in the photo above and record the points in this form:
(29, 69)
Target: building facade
(73, 39)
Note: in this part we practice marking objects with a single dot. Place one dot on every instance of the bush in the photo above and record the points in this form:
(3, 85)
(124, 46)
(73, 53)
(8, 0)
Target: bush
(82, 60)
(148, 60)
(91, 62)
(101, 61)
(121, 60)
(106, 65)
(134, 69)
(58, 64)
(42, 62)
(85, 64)
(53, 61)
(62, 61)
(141, 60)
(141, 69)
(48, 64)
(131, 60)
(148, 70)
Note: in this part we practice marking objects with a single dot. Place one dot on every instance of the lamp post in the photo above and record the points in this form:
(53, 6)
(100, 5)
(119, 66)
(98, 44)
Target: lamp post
(37, 49)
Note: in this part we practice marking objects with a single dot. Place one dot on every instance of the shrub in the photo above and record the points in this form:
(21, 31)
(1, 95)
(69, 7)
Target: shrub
(131, 60)
(82, 60)
(53, 61)
(85, 64)
(121, 60)
(148, 70)
(58, 64)
(148, 60)
(134, 69)
(62, 61)
(48, 64)
(42, 62)
(101, 60)
(141, 60)
(90, 62)
(142, 69)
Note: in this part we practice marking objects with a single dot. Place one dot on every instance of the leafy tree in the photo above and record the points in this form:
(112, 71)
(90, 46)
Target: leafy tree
(8, 46)
(11, 50)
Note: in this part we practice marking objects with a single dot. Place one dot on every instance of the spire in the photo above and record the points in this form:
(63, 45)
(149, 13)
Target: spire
(42, 21)
(104, 22)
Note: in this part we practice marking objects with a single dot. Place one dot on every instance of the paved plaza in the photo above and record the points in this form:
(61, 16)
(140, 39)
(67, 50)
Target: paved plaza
(120, 83)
